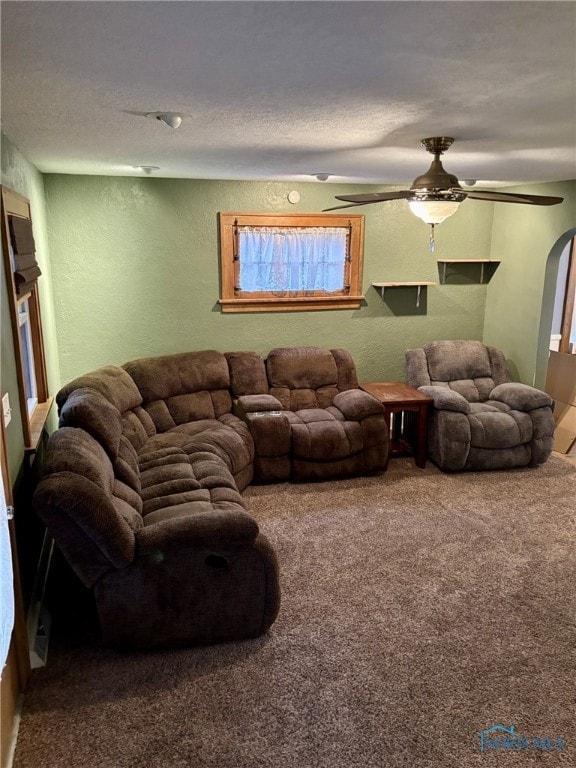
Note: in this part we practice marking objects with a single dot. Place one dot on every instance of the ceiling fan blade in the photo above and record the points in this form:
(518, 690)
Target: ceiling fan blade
(508, 197)
(350, 205)
(376, 197)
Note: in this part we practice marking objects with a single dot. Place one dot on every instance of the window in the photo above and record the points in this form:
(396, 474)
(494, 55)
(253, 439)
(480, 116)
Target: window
(283, 262)
(22, 273)
(27, 347)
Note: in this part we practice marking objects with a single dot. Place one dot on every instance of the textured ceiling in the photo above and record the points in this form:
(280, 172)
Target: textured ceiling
(283, 90)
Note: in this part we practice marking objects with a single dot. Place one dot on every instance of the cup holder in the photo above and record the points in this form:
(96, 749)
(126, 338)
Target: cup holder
(219, 562)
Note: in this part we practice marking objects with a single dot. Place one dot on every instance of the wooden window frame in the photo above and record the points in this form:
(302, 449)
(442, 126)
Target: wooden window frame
(16, 673)
(232, 301)
(14, 204)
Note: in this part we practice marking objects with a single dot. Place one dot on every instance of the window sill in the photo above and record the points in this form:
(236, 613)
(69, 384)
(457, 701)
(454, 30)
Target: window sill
(300, 304)
(37, 424)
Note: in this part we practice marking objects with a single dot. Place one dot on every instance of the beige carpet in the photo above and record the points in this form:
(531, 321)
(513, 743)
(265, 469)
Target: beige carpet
(418, 610)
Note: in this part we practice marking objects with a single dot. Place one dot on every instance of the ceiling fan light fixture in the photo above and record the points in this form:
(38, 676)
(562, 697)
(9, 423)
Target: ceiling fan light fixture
(433, 211)
(436, 195)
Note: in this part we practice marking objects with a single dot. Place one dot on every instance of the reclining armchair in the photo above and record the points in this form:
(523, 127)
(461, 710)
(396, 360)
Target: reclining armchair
(479, 419)
(307, 416)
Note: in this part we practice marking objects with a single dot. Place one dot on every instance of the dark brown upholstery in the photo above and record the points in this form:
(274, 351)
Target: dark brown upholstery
(314, 423)
(479, 419)
(142, 496)
(142, 492)
(112, 382)
(187, 398)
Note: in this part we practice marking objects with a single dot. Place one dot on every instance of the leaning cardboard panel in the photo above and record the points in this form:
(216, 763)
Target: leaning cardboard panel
(561, 385)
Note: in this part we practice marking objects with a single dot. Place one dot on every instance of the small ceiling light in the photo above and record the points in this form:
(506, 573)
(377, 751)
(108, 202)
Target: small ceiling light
(148, 168)
(468, 182)
(322, 176)
(171, 119)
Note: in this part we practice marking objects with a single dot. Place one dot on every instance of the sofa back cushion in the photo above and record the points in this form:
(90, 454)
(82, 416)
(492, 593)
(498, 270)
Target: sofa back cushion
(137, 426)
(78, 500)
(176, 389)
(468, 367)
(110, 381)
(247, 374)
(309, 377)
(347, 376)
(91, 411)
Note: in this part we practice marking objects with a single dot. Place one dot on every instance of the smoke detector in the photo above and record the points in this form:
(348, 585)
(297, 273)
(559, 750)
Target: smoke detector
(171, 119)
(148, 169)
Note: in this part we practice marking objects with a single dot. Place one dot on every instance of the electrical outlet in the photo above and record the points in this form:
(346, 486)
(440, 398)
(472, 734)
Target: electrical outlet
(6, 410)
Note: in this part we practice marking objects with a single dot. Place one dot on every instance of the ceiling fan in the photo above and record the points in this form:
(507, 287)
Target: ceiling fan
(436, 195)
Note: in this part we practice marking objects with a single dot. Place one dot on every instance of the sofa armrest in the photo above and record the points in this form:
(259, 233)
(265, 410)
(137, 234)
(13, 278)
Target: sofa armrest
(256, 404)
(446, 399)
(521, 397)
(270, 432)
(267, 422)
(226, 524)
(355, 404)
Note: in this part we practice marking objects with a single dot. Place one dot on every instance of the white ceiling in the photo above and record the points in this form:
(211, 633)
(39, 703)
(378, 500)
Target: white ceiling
(283, 90)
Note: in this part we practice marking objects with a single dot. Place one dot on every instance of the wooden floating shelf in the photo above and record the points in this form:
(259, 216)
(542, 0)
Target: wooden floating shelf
(395, 285)
(419, 284)
(483, 262)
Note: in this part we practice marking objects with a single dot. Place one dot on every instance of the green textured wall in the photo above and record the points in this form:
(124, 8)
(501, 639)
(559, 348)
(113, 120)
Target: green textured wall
(520, 297)
(21, 176)
(136, 272)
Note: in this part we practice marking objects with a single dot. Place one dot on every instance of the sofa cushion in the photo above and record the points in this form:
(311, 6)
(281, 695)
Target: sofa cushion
(111, 381)
(347, 376)
(223, 524)
(183, 409)
(91, 411)
(495, 429)
(230, 441)
(489, 406)
(152, 455)
(159, 378)
(137, 426)
(301, 368)
(454, 360)
(171, 477)
(71, 449)
(83, 506)
(122, 491)
(247, 373)
(218, 441)
(472, 390)
(126, 465)
(177, 389)
(319, 436)
(127, 512)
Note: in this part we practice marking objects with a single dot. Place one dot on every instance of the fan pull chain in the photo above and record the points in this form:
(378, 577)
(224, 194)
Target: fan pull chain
(432, 244)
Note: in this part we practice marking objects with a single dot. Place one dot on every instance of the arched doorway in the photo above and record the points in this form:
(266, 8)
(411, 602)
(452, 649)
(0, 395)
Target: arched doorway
(548, 302)
(558, 307)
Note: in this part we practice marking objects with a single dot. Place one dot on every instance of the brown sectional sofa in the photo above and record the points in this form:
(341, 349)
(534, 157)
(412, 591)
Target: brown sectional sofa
(144, 475)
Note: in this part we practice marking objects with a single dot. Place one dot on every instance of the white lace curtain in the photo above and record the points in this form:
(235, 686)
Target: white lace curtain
(292, 258)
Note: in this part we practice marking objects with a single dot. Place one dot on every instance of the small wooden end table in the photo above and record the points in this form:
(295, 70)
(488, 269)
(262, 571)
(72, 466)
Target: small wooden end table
(399, 398)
